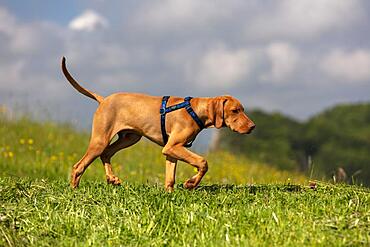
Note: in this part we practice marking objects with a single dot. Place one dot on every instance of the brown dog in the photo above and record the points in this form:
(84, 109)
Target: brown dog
(132, 115)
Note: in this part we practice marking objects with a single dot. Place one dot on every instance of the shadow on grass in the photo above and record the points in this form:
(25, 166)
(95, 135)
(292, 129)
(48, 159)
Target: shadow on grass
(253, 189)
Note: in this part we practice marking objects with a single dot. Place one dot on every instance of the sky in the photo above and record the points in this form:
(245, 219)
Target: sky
(295, 57)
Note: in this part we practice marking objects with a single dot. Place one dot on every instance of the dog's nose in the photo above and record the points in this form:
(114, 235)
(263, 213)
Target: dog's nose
(252, 127)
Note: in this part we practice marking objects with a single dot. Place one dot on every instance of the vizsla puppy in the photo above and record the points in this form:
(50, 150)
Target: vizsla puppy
(133, 115)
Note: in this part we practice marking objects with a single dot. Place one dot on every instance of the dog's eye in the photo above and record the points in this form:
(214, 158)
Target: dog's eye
(235, 110)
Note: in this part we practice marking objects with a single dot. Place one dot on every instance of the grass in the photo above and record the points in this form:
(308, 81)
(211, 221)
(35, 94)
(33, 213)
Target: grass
(240, 202)
(48, 212)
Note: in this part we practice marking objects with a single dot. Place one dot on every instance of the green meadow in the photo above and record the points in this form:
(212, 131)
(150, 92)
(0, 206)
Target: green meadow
(240, 202)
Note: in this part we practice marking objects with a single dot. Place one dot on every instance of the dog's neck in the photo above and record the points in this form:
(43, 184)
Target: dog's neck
(201, 108)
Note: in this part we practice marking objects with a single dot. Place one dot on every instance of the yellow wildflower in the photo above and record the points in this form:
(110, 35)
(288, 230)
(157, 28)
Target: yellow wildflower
(53, 158)
(3, 109)
(22, 141)
(10, 154)
(30, 141)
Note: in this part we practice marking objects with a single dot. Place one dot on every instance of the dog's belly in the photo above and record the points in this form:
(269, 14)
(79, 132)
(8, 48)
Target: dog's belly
(134, 112)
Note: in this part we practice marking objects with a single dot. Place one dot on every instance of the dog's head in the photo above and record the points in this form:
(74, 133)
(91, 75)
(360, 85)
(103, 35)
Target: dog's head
(226, 111)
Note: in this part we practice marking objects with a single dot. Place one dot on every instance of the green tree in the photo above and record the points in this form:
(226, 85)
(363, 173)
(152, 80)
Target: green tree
(337, 137)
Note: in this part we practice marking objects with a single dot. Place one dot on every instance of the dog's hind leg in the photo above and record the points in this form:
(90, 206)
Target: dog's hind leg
(124, 141)
(95, 149)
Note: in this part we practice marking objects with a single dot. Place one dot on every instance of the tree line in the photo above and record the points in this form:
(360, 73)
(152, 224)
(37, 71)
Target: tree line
(334, 141)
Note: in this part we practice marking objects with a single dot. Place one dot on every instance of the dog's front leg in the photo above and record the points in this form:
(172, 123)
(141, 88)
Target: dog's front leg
(179, 152)
(170, 173)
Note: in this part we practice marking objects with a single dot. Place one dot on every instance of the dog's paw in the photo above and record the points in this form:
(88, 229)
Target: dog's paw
(169, 189)
(113, 180)
(190, 184)
(74, 185)
(75, 180)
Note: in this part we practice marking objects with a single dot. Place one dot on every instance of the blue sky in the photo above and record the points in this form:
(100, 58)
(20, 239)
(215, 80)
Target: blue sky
(39, 10)
(296, 57)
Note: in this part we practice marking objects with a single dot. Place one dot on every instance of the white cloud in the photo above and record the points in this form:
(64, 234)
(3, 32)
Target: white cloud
(105, 57)
(29, 54)
(7, 21)
(350, 65)
(189, 14)
(221, 68)
(26, 38)
(89, 21)
(168, 47)
(304, 19)
(13, 73)
(283, 58)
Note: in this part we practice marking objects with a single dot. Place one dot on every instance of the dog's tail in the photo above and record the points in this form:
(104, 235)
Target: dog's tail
(77, 86)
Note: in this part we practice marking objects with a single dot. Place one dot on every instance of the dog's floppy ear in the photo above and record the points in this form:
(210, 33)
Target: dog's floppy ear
(216, 111)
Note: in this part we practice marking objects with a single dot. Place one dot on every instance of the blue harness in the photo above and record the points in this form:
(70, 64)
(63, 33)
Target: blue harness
(164, 110)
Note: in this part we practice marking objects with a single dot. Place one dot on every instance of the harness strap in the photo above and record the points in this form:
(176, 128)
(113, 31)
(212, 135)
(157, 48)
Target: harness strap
(163, 119)
(164, 110)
